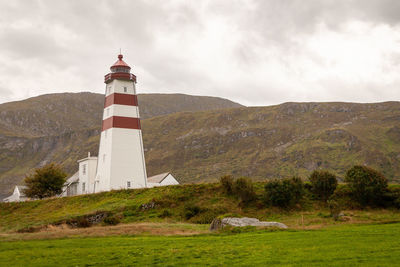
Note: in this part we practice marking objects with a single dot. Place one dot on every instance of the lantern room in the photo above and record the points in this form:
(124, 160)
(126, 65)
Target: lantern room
(120, 70)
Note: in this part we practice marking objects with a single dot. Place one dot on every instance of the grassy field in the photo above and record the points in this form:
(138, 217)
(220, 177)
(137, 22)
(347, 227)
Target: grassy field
(346, 245)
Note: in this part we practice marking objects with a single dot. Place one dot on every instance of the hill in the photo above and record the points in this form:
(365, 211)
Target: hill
(259, 142)
(56, 114)
(63, 127)
(276, 141)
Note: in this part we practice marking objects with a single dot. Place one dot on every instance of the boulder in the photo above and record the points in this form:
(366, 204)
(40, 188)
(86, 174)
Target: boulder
(240, 222)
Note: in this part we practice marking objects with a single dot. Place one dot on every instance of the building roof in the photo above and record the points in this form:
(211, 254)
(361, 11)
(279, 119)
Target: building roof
(74, 178)
(21, 189)
(120, 62)
(157, 178)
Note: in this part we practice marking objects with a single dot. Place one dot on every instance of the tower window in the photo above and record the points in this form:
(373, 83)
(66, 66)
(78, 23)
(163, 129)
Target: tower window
(108, 112)
(104, 157)
(125, 89)
(84, 169)
(128, 184)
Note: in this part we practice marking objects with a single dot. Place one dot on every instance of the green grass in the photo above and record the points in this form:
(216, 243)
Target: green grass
(170, 208)
(367, 245)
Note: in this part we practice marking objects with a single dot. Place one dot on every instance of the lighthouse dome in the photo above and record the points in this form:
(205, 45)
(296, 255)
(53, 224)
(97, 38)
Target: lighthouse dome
(120, 65)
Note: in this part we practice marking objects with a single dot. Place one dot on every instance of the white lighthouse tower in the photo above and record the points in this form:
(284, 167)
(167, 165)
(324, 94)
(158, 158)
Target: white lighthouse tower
(121, 161)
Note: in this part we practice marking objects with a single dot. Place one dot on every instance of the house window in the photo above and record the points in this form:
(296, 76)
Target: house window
(125, 89)
(128, 184)
(84, 169)
(83, 187)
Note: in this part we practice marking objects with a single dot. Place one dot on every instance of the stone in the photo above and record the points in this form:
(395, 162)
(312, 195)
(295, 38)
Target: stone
(217, 224)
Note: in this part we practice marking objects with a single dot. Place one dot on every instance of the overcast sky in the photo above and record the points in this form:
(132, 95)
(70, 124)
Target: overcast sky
(253, 52)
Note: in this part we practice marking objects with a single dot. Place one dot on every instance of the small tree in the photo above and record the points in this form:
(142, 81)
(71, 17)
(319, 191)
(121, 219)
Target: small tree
(45, 182)
(367, 186)
(323, 184)
(284, 193)
(227, 183)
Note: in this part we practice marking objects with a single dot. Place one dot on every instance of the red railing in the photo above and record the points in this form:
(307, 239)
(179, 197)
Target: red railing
(120, 76)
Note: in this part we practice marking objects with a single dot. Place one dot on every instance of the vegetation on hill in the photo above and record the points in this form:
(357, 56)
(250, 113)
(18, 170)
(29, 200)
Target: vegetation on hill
(197, 203)
(47, 181)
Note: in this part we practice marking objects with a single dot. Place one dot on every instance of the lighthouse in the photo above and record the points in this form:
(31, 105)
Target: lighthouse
(120, 163)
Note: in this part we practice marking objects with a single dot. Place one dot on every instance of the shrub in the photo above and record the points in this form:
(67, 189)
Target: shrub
(335, 208)
(323, 184)
(227, 184)
(47, 181)
(165, 213)
(112, 220)
(243, 188)
(82, 222)
(205, 217)
(367, 186)
(284, 193)
(190, 210)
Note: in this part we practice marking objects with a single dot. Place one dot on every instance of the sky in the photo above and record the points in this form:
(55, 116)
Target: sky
(255, 52)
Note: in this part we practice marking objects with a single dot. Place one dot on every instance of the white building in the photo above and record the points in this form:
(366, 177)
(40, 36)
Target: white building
(162, 179)
(83, 181)
(120, 163)
(17, 195)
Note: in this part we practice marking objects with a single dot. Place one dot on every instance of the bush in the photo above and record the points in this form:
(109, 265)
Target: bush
(190, 210)
(83, 222)
(367, 186)
(335, 208)
(112, 220)
(243, 188)
(227, 184)
(284, 193)
(165, 213)
(323, 184)
(47, 181)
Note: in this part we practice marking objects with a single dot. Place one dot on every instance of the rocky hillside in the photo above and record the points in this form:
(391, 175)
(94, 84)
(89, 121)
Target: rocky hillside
(56, 114)
(63, 127)
(260, 142)
(276, 141)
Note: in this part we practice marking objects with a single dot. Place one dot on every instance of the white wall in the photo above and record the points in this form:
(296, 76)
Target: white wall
(121, 154)
(169, 180)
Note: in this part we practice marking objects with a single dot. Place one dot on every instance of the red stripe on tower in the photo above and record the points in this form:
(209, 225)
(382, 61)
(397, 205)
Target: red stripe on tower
(121, 122)
(121, 99)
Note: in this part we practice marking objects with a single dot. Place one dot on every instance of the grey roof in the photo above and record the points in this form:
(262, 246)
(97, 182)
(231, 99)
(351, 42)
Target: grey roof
(157, 178)
(74, 178)
(21, 189)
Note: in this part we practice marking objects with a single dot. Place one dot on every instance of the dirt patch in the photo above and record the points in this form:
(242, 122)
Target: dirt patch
(66, 231)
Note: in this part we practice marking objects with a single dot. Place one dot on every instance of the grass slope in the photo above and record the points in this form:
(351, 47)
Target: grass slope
(171, 206)
(372, 245)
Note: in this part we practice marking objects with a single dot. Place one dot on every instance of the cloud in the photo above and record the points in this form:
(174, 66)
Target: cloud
(255, 52)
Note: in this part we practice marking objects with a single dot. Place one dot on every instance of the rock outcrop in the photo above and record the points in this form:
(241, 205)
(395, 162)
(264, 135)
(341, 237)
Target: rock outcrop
(240, 222)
